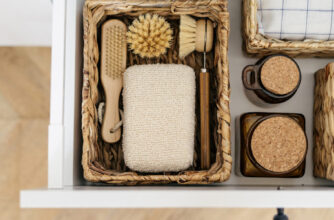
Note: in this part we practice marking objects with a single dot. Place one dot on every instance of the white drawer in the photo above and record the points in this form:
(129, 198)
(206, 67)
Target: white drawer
(68, 189)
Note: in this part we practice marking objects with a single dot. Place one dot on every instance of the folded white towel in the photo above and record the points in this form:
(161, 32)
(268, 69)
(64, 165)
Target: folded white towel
(159, 117)
(296, 19)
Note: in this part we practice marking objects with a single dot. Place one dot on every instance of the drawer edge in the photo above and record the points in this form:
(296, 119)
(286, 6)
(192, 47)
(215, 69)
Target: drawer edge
(176, 197)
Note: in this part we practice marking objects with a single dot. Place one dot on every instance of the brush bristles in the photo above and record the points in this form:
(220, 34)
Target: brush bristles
(187, 35)
(115, 37)
(149, 36)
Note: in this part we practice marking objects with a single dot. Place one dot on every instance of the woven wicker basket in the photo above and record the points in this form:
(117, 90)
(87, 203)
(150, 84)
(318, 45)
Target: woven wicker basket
(104, 162)
(323, 154)
(259, 45)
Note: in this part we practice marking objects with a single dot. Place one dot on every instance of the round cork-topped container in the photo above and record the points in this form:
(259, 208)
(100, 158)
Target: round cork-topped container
(274, 79)
(276, 145)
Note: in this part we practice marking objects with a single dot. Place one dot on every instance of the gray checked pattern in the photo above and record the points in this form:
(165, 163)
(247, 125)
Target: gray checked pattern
(296, 19)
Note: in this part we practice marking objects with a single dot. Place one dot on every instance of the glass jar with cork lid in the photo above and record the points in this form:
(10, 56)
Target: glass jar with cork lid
(273, 145)
(273, 79)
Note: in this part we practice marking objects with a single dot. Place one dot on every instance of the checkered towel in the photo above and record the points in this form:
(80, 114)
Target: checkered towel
(296, 19)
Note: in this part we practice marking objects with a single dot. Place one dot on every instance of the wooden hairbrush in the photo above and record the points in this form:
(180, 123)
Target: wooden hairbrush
(113, 65)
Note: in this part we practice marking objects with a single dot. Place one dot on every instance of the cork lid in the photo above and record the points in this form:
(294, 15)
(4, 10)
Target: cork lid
(278, 144)
(280, 75)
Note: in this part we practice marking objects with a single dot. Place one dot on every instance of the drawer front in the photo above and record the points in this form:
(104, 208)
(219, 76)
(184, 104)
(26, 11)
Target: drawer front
(164, 197)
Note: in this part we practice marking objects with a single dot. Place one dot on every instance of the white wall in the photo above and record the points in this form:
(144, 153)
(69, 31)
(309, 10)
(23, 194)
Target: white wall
(25, 22)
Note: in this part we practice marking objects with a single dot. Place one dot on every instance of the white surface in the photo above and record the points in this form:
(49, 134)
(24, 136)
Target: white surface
(72, 100)
(176, 197)
(56, 130)
(26, 23)
(237, 192)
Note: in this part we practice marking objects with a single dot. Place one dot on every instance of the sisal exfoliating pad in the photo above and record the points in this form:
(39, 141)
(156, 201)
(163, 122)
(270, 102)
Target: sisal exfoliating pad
(159, 117)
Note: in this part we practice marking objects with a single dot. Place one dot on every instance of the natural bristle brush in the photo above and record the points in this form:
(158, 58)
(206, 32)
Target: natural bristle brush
(149, 36)
(192, 34)
(113, 65)
(198, 35)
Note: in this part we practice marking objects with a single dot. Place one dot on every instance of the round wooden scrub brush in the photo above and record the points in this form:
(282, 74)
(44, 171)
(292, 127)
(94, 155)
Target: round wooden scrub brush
(193, 34)
(149, 36)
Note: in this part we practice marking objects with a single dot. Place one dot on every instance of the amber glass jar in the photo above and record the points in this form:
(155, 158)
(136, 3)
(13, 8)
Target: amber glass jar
(273, 79)
(273, 145)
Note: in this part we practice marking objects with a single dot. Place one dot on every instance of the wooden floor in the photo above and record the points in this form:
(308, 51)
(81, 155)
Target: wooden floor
(24, 115)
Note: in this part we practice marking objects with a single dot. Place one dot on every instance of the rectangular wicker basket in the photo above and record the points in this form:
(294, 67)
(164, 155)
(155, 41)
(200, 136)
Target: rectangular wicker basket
(323, 133)
(104, 162)
(260, 45)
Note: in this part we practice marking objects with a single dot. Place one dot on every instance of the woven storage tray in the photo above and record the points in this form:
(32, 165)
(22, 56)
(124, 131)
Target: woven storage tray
(323, 133)
(257, 44)
(103, 162)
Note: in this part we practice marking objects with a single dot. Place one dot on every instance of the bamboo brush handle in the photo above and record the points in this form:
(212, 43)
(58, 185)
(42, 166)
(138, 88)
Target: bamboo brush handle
(205, 119)
(111, 116)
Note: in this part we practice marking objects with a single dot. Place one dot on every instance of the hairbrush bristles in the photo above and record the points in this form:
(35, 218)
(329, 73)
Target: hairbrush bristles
(114, 37)
(149, 36)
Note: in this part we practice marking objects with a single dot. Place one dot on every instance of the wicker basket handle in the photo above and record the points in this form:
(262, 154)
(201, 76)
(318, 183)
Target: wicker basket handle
(250, 69)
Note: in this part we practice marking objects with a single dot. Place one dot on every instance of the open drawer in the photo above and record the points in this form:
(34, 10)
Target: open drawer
(67, 187)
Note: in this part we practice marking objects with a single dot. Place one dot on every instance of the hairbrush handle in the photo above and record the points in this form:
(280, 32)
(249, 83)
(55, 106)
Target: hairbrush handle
(205, 118)
(111, 115)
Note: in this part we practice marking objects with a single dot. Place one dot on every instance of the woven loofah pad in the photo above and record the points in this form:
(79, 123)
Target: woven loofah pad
(159, 117)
